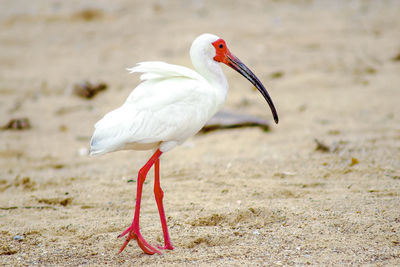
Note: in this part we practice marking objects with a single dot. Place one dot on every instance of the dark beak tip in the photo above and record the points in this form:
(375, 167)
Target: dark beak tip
(237, 65)
(276, 119)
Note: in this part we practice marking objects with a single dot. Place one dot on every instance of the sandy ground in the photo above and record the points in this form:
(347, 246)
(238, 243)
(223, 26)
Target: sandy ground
(235, 197)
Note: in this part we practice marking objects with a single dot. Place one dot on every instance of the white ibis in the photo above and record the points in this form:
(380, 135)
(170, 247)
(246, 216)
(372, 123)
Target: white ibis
(170, 105)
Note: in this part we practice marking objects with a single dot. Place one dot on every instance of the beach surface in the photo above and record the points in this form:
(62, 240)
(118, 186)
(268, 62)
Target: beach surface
(321, 188)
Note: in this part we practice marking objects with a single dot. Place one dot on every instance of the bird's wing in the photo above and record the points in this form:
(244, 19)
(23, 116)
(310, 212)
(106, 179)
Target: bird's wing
(170, 107)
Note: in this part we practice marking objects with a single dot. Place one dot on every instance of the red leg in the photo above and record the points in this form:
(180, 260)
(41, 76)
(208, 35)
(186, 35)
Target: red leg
(159, 194)
(133, 230)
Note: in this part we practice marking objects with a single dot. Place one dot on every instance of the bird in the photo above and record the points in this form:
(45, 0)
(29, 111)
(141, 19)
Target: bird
(171, 104)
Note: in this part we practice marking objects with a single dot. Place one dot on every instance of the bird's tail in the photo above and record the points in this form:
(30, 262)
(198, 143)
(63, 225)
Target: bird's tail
(161, 70)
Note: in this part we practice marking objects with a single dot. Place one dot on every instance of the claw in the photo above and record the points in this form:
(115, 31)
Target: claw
(124, 232)
(169, 247)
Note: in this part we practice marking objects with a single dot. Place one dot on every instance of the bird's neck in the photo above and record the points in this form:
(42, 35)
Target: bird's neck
(212, 72)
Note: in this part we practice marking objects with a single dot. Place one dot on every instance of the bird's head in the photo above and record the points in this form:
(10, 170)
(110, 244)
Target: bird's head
(215, 48)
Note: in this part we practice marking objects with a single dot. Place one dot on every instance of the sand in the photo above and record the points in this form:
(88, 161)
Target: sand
(241, 197)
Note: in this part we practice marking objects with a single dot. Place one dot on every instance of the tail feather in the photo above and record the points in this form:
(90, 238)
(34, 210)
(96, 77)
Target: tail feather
(162, 70)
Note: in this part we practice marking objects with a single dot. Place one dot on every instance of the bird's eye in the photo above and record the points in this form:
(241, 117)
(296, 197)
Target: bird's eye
(221, 46)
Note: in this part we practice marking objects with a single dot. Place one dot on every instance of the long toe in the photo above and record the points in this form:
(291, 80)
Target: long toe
(129, 229)
(129, 238)
(143, 244)
(123, 246)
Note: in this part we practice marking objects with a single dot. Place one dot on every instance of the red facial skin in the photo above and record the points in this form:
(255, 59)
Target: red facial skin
(221, 51)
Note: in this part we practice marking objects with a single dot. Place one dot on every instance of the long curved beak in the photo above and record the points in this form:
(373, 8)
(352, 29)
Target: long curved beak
(238, 65)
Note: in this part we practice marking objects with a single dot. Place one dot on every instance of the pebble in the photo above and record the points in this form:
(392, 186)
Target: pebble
(18, 237)
(256, 232)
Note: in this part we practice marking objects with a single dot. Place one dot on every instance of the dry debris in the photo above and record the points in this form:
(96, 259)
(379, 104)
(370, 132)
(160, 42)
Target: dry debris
(88, 90)
(321, 146)
(17, 124)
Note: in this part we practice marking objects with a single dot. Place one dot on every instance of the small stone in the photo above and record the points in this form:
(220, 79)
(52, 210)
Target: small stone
(354, 161)
(256, 232)
(18, 237)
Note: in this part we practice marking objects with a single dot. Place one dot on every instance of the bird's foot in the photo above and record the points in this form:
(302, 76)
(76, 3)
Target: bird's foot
(167, 246)
(134, 233)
